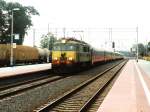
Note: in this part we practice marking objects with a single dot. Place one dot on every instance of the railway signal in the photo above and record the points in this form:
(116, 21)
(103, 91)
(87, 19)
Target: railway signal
(113, 44)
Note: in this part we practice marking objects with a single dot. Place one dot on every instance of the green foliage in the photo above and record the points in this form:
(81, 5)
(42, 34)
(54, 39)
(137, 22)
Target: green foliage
(48, 40)
(141, 49)
(3, 18)
(148, 46)
(22, 20)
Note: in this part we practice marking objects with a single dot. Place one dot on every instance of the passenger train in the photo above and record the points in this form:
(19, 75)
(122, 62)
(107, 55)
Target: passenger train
(70, 53)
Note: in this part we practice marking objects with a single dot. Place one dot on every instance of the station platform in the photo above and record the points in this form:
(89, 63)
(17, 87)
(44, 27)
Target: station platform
(18, 70)
(131, 91)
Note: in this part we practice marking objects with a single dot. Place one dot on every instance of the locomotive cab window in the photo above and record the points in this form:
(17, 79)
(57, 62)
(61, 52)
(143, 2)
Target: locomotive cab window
(64, 47)
(71, 47)
(56, 48)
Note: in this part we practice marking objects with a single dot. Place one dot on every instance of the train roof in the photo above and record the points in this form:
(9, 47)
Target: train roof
(107, 51)
(100, 49)
(71, 40)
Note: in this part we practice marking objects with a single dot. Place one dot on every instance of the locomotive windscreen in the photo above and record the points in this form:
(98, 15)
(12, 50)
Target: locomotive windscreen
(64, 47)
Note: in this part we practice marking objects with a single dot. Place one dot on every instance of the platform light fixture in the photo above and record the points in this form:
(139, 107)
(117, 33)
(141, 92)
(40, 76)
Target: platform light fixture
(137, 45)
(12, 25)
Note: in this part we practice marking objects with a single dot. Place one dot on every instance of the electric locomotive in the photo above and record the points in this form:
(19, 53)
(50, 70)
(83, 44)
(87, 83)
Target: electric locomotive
(69, 52)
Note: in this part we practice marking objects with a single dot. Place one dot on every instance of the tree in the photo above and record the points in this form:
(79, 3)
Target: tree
(48, 40)
(141, 49)
(148, 46)
(3, 18)
(22, 21)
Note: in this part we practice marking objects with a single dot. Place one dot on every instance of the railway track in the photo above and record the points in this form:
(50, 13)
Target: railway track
(18, 83)
(13, 89)
(29, 96)
(79, 98)
(10, 81)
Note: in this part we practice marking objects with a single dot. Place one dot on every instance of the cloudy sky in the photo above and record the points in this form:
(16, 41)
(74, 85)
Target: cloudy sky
(94, 17)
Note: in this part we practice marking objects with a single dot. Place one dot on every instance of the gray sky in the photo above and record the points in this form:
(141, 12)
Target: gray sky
(92, 16)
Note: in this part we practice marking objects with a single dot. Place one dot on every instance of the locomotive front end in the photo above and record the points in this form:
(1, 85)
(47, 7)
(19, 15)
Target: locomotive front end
(63, 54)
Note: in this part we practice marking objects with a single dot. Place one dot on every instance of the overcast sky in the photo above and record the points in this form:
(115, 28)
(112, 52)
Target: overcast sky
(94, 17)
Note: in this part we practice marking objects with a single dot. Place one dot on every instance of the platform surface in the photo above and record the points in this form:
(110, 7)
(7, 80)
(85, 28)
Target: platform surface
(131, 91)
(145, 65)
(18, 70)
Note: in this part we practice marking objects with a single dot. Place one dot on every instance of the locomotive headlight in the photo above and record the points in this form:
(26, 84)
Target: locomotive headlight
(55, 58)
(70, 58)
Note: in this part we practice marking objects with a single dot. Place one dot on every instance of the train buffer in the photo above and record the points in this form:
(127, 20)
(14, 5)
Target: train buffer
(18, 70)
(131, 91)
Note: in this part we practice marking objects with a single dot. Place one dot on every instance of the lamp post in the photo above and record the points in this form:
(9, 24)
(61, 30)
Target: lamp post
(48, 40)
(137, 55)
(11, 46)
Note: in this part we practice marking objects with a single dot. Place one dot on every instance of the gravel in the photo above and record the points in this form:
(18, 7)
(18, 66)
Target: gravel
(29, 100)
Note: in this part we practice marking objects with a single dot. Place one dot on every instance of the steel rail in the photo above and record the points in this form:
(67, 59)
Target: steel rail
(91, 100)
(26, 86)
(53, 103)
